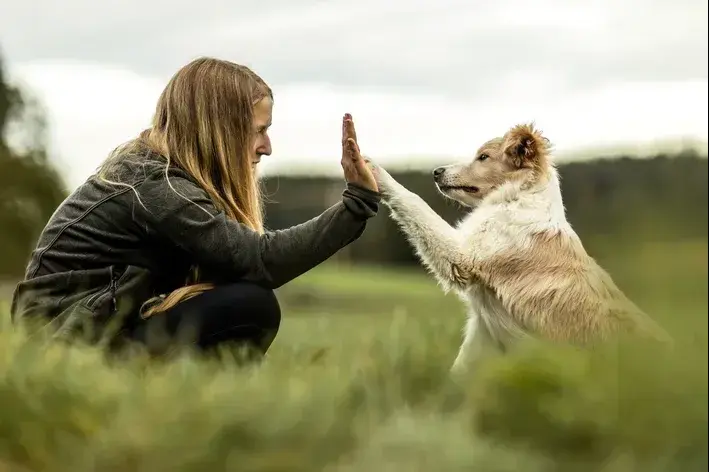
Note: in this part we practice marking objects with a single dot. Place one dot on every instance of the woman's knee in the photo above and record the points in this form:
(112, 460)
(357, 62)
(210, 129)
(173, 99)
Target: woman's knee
(245, 303)
(227, 306)
(252, 312)
(270, 309)
(241, 312)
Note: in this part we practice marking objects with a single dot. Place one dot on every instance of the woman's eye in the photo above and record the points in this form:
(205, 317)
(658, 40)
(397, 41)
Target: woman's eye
(483, 157)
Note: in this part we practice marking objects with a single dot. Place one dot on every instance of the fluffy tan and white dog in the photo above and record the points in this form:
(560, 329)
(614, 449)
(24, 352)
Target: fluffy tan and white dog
(515, 260)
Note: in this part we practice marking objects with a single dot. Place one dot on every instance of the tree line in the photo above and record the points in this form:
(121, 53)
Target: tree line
(624, 199)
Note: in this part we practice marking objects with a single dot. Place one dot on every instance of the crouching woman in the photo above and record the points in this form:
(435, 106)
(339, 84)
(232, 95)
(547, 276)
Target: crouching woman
(165, 244)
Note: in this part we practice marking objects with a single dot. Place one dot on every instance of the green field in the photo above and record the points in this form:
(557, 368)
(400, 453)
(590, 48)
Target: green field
(357, 380)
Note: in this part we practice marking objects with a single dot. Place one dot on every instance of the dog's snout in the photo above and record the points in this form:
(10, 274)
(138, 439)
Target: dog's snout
(438, 171)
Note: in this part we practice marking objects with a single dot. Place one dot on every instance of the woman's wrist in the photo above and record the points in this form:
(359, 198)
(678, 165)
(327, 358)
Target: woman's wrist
(363, 191)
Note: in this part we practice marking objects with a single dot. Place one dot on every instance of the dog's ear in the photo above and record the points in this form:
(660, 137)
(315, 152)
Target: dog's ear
(525, 145)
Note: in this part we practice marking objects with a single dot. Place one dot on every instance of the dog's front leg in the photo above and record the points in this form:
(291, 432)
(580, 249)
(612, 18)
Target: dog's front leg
(435, 241)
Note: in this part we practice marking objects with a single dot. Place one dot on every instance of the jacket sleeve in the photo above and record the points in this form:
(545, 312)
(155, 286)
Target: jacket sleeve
(182, 212)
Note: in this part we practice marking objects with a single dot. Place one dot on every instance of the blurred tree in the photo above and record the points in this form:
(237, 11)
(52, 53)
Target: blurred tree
(30, 187)
(621, 200)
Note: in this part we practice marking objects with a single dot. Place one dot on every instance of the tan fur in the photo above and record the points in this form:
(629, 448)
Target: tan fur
(555, 290)
(515, 260)
(521, 155)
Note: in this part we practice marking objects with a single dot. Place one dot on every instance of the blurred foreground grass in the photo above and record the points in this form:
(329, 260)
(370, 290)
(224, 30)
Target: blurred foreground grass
(358, 381)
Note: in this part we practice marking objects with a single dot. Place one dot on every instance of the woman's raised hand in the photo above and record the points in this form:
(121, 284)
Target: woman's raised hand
(353, 164)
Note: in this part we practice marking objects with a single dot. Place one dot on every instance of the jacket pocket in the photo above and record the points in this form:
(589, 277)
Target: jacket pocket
(95, 312)
(103, 302)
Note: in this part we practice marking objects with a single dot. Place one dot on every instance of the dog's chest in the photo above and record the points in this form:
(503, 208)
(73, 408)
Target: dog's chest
(489, 232)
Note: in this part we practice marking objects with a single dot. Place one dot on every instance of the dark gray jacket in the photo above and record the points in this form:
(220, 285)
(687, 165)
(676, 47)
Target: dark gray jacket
(108, 248)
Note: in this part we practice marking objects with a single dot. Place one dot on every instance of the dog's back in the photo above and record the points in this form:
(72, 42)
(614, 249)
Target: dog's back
(553, 289)
(532, 276)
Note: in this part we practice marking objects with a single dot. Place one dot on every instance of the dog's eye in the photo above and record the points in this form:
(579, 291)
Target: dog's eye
(483, 157)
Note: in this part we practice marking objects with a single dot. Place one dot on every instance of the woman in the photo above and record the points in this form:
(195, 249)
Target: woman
(167, 238)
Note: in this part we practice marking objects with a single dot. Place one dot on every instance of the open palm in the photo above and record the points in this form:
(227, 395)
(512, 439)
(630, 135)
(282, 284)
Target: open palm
(354, 166)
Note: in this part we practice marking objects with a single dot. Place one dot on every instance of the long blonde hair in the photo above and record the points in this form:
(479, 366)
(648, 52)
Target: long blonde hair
(203, 125)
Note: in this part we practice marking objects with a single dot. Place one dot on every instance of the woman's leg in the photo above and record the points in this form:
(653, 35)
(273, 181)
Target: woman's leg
(241, 313)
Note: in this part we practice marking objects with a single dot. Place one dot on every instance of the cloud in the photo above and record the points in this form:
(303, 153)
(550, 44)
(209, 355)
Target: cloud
(422, 78)
(449, 47)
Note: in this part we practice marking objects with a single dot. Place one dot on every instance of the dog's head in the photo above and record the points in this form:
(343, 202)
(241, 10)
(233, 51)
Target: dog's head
(522, 154)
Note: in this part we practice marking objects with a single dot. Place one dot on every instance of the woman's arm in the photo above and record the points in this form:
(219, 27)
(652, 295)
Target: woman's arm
(182, 213)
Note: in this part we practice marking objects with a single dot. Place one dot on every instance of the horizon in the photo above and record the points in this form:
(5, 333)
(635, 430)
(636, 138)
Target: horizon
(647, 150)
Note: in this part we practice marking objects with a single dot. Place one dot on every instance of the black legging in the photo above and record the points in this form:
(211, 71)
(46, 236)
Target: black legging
(241, 313)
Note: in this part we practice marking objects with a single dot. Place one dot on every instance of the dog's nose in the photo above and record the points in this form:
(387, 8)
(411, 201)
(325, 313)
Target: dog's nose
(438, 171)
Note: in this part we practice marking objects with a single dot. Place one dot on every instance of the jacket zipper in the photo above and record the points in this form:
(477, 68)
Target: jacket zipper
(111, 288)
(114, 280)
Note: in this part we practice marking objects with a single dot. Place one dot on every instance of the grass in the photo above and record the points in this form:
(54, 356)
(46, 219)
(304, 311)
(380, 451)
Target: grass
(357, 381)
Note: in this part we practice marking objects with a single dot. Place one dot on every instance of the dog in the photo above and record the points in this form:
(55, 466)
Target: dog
(514, 260)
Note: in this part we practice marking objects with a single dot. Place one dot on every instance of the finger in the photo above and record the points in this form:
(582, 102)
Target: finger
(350, 127)
(344, 127)
(346, 118)
(348, 150)
(353, 149)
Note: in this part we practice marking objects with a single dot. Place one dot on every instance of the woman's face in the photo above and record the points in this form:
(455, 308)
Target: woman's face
(263, 113)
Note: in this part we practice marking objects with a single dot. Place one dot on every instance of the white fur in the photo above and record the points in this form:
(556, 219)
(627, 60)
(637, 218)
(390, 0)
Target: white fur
(504, 220)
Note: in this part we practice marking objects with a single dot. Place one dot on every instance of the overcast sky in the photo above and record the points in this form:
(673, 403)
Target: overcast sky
(428, 79)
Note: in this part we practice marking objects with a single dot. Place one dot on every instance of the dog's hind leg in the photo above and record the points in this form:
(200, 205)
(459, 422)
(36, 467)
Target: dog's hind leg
(475, 339)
